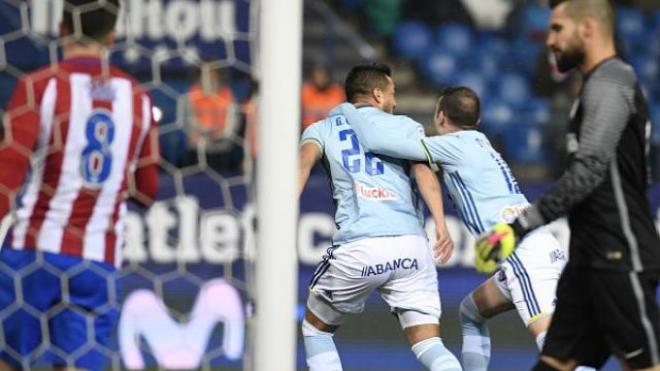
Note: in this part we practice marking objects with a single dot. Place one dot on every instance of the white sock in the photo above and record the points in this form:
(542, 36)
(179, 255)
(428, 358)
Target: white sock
(540, 340)
(320, 349)
(434, 356)
(476, 337)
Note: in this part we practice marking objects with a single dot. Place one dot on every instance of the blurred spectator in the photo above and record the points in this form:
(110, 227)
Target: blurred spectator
(436, 12)
(528, 19)
(212, 127)
(383, 15)
(319, 95)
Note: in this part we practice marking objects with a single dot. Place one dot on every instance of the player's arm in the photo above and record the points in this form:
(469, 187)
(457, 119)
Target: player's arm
(431, 192)
(18, 139)
(607, 104)
(389, 139)
(444, 149)
(309, 154)
(143, 182)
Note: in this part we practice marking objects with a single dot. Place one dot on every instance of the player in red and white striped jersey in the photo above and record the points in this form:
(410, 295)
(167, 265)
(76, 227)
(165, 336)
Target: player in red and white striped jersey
(87, 134)
(79, 138)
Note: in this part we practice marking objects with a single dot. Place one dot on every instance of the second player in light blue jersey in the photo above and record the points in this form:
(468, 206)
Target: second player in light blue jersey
(380, 243)
(485, 193)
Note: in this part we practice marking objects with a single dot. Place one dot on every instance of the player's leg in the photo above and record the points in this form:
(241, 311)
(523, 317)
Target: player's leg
(531, 289)
(413, 295)
(426, 342)
(532, 276)
(628, 316)
(573, 337)
(21, 328)
(318, 337)
(337, 288)
(318, 329)
(89, 316)
(483, 303)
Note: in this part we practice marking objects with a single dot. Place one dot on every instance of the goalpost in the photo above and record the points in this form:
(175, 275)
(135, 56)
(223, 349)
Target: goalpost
(277, 178)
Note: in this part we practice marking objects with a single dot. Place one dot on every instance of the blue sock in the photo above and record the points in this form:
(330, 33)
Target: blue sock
(433, 354)
(320, 349)
(476, 337)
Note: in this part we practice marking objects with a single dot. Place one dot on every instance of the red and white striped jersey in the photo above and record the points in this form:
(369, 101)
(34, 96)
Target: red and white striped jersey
(81, 137)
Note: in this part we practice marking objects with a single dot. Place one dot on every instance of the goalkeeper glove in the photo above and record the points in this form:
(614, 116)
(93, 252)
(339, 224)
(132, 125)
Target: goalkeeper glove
(496, 245)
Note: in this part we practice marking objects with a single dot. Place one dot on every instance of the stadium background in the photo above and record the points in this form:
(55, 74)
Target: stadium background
(193, 249)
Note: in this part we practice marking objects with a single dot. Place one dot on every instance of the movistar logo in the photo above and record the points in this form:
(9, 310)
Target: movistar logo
(405, 263)
(146, 322)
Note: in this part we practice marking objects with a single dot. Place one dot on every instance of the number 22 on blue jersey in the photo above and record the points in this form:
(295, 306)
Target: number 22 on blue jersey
(351, 158)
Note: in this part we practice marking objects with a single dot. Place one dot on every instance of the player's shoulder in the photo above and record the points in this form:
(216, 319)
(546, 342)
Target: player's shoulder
(319, 128)
(316, 133)
(465, 136)
(42, 75)
(35, 83)
(406, 120)
(463, 141)
(410, 122)
(401, 120)
(614, 71)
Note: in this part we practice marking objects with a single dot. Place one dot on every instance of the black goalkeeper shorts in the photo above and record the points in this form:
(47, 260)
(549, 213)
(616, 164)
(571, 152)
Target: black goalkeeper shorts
(601, 313)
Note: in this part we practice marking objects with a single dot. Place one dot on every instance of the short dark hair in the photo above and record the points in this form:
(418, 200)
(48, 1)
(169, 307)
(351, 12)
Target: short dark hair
(599, 9)
(96, 18)
(554, 3)
(364, 78)
(461, 105)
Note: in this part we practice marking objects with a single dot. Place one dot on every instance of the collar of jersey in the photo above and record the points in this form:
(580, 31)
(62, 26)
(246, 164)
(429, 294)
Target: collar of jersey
(83, 60)
(594, 68)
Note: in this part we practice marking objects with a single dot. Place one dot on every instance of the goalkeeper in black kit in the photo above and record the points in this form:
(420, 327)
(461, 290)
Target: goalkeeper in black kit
(606, 296)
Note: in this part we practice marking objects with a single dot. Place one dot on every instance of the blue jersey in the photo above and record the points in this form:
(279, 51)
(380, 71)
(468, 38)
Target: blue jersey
(479, 181)
(373, 194)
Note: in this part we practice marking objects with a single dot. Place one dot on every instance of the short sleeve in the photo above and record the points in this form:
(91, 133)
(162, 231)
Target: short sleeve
(313, 134)
(444, 149)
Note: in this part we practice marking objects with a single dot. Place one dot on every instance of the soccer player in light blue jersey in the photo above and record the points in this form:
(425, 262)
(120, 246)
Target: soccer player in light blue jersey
(380, 242)
(485, 193)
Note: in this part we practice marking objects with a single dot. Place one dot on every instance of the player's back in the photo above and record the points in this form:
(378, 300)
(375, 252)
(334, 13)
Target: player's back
(91, 129)
(373, 195)
(479, 181)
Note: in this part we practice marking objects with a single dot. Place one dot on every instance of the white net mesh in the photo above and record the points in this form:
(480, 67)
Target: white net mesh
(182, 288)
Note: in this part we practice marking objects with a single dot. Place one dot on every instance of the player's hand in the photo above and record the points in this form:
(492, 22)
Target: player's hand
(443, 247)
(495, 246)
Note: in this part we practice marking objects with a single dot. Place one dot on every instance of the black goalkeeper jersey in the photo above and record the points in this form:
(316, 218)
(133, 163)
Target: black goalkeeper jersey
(604, 188)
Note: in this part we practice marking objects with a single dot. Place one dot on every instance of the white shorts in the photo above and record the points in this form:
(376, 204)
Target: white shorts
(401, 268)
(529, 276)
